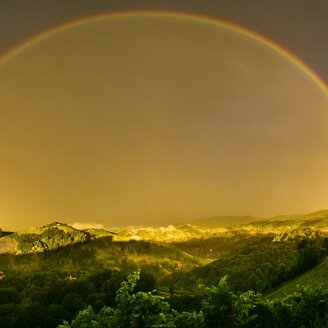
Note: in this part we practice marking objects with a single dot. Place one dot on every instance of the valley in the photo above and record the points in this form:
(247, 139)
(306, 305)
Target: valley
(274, 257)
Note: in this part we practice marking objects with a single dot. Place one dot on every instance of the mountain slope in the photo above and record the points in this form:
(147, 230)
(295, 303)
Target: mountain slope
(231, 221)
(224, 221)
(313, 278)
(52, 236)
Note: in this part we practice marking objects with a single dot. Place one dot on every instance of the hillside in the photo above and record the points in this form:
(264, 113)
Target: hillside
(322, 214)
(7, 245)
(232, 221)
(223, 221)
(48, 237)
(56, 234)
(315, 277)
(82, 259)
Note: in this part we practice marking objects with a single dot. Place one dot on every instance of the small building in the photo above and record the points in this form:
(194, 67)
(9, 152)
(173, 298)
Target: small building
(177, 263)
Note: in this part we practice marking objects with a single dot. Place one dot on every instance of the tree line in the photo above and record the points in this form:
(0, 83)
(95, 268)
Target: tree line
(221, 307)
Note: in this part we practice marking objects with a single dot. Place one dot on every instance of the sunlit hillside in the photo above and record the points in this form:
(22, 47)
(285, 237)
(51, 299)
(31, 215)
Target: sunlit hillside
(56, 234)
(283, 226)
(48, 237)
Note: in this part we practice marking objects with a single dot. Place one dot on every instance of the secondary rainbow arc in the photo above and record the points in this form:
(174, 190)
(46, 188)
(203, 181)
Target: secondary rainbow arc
(309, 72)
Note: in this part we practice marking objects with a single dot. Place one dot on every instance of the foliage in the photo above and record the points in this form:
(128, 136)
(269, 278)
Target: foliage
(140, 308)
(259, 264)
(307, 307)
(45, 299)
(218, 305)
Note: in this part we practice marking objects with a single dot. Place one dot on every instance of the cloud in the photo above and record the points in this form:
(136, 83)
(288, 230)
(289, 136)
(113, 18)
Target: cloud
(87, 225)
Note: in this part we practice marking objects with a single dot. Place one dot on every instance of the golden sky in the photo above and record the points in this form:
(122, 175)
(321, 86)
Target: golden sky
(153, 120)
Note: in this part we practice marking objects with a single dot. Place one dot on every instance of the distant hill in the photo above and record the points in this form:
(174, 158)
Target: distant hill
(231, 221)
(224, 221)
(52, 236)
(323, 214)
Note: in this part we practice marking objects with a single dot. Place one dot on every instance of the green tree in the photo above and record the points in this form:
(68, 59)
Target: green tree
(218, 308)
(142, 309)
(253, 312)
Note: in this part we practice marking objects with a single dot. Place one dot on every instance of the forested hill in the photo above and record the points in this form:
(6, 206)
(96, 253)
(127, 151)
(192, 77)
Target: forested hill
(48, 237)
(318, 276)
(224, 221)
(231, 221)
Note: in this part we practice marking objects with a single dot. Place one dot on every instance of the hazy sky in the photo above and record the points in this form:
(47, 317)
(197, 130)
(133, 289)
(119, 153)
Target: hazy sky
(155, 120)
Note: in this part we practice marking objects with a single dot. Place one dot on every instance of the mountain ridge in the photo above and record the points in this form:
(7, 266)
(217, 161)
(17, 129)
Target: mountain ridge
(56, 234)
(230, 221)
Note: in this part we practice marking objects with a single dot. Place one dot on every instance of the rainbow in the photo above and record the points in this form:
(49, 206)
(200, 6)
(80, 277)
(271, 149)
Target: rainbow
(310, 73)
